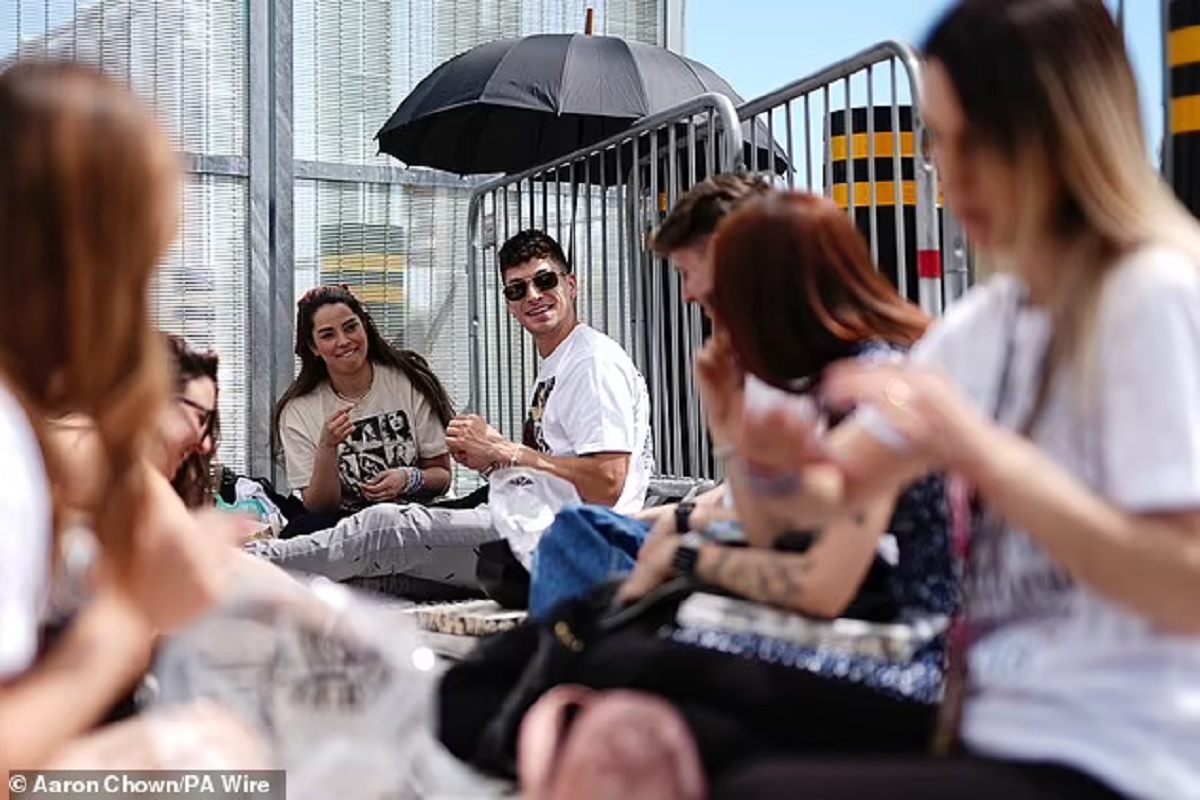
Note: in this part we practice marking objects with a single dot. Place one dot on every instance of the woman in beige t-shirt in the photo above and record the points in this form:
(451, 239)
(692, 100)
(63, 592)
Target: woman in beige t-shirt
(363, 422)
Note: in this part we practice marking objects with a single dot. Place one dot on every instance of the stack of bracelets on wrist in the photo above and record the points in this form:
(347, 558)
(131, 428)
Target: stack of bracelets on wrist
(723, 451)
(769, 484)
(416, 482)
(760, 482)
(514, 461)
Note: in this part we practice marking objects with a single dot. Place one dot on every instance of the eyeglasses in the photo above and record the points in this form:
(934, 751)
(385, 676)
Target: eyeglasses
(203, 417)
(544, 281)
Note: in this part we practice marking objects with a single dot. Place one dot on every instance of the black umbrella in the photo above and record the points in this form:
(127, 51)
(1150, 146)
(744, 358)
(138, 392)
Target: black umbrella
(509, 105)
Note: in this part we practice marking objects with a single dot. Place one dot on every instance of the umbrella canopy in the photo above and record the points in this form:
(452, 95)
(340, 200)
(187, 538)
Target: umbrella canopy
(509, 105)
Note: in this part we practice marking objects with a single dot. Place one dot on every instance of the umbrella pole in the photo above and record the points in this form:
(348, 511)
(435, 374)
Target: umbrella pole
(589, 21)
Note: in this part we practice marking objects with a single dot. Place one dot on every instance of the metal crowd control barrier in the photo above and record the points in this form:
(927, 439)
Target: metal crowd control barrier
(600, 203)
(853, 132)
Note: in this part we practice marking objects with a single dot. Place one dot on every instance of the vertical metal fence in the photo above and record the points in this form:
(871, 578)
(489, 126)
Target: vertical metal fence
(600, 203)
(852, 132)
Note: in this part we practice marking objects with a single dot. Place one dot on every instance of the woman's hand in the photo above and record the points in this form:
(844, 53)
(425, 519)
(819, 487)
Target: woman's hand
(387, 485)
(229, 527)
(180, 566)
(655, 562)
(337, 429)
(779, 441)
(772, 438)
(934, 421)
(721, 382)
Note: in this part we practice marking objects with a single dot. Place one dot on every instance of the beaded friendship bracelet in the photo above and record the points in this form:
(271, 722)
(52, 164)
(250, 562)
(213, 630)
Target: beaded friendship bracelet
(416, 482)
(770, 484)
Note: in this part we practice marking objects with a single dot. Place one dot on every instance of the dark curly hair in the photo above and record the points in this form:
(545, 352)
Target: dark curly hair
(529, 245)
(193, 481)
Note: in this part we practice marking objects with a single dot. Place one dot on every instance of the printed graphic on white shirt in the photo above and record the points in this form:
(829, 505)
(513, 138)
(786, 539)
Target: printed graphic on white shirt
(589, 398)
(377, 444)
(1069, 672)
(1010, 580)
(532, 435)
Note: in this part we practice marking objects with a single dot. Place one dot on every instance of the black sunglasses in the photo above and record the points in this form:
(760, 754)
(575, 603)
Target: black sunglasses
(544, 281)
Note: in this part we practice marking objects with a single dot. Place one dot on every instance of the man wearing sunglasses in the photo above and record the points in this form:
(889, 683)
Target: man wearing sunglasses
(588, 423)
(588, 418)
(566, 559)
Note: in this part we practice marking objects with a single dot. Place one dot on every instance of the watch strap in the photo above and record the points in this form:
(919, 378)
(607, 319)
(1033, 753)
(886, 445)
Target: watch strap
(683, 516)
(687, 556)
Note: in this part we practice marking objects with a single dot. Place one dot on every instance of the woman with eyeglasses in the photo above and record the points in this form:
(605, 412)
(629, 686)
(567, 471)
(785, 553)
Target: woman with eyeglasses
(364, 422)
(89, 204)
(190, 430)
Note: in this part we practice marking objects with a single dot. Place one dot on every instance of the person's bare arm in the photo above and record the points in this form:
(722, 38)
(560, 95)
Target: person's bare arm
(316, 462)
(98, 659)
(858, 473)
(821, 582)
(599, 478)
(713, 498)
(324, 490)
(75, 445)
(436, 474)
(1148, 562)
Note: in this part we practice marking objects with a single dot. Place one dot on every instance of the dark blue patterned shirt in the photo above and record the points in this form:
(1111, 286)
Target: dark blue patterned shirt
(924, 581)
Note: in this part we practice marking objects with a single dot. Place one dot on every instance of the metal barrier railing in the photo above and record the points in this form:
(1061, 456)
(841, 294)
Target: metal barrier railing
(871, 158)
(852, 131)
(600, 203)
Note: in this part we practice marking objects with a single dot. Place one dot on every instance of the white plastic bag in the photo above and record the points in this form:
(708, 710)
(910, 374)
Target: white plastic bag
(337, 682)
(523, 503)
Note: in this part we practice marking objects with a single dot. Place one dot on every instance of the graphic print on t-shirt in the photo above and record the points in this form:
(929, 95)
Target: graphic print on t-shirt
(1010, 580)
(376, 444)
(532, 436)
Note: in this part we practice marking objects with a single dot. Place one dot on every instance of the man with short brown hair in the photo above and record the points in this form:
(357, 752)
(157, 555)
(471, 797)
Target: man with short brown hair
(685, 234)
(587, 544)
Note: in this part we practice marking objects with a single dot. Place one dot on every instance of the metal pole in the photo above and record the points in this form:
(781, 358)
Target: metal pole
(874, 222)
(1168, 140)
(898, 179)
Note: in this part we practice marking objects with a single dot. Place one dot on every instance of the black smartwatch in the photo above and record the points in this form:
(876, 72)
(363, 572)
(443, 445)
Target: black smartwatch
(683, 516)
(687, 555)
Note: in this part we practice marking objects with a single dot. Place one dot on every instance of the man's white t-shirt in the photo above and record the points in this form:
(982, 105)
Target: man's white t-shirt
(394, 426)
(1057, 671)
(25, 538)
(589, 399)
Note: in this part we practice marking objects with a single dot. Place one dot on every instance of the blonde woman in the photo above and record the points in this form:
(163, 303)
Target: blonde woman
(1067, 391)
(88, 205)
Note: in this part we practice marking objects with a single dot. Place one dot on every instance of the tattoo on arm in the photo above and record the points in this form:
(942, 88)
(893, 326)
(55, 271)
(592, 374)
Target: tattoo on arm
(767, 576)
(763, 576)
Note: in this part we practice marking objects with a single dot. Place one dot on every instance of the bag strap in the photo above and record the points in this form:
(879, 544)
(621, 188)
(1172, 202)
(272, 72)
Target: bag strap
(501, 730)
(622, 616)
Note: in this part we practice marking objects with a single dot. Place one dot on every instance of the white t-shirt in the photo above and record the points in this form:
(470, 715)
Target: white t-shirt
(394, 426)
(25, 538)
(590, 398)
(1059, 672)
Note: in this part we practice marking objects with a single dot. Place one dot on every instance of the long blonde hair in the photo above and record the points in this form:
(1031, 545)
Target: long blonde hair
(1048, 83)
(88, 206)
